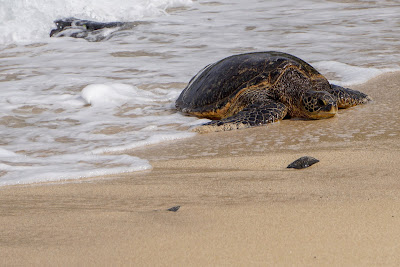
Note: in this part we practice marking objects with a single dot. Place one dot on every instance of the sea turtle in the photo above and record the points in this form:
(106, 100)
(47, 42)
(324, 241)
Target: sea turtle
(263, 87)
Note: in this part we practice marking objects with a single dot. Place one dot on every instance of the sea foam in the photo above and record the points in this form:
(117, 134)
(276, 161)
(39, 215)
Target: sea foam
(29, 21)
(71, 143)
(347, 75)
(65, 167)
(114, 95)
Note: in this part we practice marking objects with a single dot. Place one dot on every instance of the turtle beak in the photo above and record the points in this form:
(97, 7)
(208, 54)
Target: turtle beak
(330, 110)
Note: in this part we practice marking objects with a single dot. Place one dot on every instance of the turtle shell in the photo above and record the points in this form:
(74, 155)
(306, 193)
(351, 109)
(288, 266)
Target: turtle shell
(215, 85)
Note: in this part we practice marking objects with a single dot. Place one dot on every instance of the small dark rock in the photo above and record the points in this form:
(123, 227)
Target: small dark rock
(174, 209)
(303, 162)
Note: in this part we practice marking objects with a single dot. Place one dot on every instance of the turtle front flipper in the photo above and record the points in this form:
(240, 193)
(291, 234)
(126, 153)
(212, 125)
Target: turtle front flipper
(255, 114)
(348, 97)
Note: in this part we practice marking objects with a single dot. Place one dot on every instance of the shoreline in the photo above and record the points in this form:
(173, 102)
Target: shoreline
(239, 203)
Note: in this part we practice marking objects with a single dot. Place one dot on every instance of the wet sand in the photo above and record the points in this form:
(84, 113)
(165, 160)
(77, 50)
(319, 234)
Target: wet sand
(239, 203)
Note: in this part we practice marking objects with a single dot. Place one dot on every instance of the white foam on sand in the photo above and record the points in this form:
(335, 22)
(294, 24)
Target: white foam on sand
(102, 118)
(347, 75)
(101, 95)
(68, 166)
(152, 140)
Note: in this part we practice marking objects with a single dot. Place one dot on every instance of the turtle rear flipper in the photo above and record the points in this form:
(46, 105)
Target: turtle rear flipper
(348, 97)
(255, 114)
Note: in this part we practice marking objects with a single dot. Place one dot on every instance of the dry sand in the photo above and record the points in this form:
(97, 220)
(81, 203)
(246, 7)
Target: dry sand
(239, 204)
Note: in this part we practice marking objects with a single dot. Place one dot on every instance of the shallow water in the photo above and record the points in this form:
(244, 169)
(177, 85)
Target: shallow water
(66, 103)
(375, 125)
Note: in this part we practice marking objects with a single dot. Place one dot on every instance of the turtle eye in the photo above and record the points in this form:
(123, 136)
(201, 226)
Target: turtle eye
(321, 102)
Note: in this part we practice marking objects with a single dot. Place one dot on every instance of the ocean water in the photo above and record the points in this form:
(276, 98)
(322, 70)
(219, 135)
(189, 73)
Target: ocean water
(72, 109)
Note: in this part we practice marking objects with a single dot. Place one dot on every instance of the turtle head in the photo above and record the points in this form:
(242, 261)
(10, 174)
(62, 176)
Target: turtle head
(318, 105)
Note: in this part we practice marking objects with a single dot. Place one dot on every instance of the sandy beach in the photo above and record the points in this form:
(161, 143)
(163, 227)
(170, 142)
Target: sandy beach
(239, 204)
